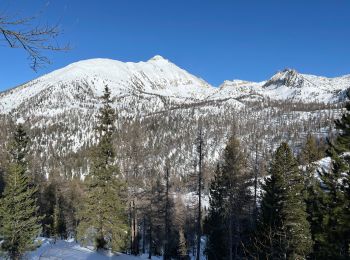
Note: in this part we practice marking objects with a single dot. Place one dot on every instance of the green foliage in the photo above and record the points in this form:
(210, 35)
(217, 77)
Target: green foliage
(230, 204)
(284, 231)
(311, 151)
(215, 223)
(58, 228)
(332, 235)
(52, 207)
(102, 218)
(18, 209)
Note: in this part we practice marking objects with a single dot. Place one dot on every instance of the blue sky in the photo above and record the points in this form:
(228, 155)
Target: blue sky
(213, 39)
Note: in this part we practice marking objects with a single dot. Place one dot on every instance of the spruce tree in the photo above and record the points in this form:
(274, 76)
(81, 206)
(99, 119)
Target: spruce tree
(215, 223)
(283, 210)
(102, 218)
(230, 204)
(18, 209)
(333, 238)
(341, 161)
(310, 151)
(313, 193)
(238, 196)
(271, 243)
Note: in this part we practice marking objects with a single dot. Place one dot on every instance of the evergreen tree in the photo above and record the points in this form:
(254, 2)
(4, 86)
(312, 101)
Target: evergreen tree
(313, 193)
(58, 229)
(230, 204)
(329, 237)
(215, 223)
(2, 182)
(342, 165)
(283, 210)
(311, 151)
(20, 224)
(237, 183)
(102, 218)
(271, 230)
(333, 237)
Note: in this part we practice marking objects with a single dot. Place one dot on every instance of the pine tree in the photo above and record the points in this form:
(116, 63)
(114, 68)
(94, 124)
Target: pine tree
(283, 210)
(58, 229)
(329, 237)
(102, 219)
(342, 165)
(215, 223)
(313, 193)
(237, 183)
(230, 204)
(270, 229)
(333, 237)
(18, 209)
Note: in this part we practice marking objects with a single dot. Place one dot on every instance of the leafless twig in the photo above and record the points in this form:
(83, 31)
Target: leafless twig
(35, 40)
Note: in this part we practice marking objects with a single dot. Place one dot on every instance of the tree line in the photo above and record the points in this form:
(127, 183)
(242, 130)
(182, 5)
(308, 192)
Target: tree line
(303, 212)
(299, 211)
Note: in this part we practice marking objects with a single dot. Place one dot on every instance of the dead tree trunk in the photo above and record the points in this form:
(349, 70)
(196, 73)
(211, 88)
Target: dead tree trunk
(200, 142)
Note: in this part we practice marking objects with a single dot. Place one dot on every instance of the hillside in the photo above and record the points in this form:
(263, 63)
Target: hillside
(160, 106)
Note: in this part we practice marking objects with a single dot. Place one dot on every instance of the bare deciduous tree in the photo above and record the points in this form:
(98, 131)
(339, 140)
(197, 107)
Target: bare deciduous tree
(35, 40)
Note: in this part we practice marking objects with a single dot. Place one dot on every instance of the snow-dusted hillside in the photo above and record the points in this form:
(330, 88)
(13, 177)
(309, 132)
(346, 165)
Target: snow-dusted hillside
(289, 85)
(79, 84)
(160, 107)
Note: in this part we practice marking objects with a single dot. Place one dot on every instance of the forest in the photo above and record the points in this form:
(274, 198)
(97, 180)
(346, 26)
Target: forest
(288, 207)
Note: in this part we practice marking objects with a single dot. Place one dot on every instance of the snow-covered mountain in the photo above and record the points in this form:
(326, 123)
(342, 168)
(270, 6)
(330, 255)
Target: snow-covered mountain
(289, 84)
(292, 86)
(160, 107)
(81, 83)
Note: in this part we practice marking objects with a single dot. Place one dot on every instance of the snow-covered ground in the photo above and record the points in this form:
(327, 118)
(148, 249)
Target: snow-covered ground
(68, 249)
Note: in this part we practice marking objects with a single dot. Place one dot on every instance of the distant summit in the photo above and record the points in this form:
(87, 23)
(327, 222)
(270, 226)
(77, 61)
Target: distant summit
(79, 84)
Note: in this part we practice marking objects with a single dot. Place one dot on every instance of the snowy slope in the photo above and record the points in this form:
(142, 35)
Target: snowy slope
(79, 85)
(238, 89)
(157, 76)
(163, 104)
(288, 85)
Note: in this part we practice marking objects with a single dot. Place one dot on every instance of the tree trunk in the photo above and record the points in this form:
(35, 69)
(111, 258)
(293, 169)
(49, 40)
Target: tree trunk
(144, 236)
(199, 217)
(150, 231)
(230, 242)
(256, 186)
(167, 229)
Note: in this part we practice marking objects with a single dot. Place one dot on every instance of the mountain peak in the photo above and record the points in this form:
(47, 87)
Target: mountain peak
(158, 58)
(290, 70)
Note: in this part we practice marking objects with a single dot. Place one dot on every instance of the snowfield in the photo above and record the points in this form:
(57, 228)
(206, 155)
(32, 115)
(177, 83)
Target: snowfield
(69, 250)
(161, 105)
(158, 77)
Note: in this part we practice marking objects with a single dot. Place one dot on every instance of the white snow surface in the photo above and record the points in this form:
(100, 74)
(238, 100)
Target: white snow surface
(160, 77)
(289, 85)
(68, 249)
(156, 76)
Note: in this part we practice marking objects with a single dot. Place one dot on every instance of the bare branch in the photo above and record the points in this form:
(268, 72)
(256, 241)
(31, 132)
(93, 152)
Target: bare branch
(35, 40)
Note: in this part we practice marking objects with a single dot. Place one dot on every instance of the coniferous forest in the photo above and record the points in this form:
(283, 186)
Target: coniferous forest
(110, 151)
(296, 210)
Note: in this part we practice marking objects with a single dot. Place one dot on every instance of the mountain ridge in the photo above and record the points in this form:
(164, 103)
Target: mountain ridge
(159, 76)
(159, 106)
